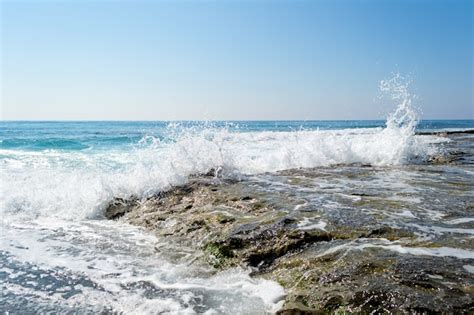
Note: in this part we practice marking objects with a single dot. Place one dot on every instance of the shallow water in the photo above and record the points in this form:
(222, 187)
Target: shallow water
(58, 253)
(101, 266)
(433, 201)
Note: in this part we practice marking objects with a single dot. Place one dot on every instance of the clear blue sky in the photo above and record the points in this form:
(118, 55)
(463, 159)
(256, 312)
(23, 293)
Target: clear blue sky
(154, 60)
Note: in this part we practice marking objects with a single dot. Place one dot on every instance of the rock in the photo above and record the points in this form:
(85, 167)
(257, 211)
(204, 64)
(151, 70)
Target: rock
(118, 207)
(231, 223)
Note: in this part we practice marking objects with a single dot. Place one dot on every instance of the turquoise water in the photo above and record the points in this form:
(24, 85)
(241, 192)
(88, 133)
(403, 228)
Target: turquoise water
(23, 135)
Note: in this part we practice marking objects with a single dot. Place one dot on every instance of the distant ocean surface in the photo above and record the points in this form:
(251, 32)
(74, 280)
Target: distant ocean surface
(98, 135)
(58, 252)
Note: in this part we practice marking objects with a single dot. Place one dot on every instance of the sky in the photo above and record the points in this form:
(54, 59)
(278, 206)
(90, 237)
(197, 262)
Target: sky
(232, 60)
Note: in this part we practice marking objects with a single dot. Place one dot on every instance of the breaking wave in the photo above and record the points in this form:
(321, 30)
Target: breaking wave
(72, 184)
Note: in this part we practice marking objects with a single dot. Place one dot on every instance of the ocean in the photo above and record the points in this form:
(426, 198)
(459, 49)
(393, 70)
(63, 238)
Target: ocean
(60, 254)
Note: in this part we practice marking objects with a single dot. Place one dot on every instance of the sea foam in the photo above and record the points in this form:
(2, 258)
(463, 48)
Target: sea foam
(71, 184)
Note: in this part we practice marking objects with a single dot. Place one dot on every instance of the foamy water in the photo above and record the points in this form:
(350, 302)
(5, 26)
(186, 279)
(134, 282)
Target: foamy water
(100, 265)
(72, 184)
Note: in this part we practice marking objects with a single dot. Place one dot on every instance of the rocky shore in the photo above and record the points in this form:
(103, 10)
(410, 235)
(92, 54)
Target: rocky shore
(347, 262)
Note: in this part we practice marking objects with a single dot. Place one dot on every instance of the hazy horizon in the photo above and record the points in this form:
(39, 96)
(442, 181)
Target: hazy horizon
(225, 120)
(232, 61)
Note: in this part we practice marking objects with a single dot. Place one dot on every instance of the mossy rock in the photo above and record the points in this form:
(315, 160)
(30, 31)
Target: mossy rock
(218, 255)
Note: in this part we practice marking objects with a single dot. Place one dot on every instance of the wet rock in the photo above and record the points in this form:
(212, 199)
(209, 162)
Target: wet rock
(375, 282)
(337, 269)
(118, 207)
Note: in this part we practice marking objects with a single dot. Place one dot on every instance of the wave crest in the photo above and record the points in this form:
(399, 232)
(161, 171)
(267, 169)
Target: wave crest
(79, 184)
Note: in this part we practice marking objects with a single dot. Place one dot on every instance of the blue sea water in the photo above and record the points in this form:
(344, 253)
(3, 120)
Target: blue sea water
(99, 135)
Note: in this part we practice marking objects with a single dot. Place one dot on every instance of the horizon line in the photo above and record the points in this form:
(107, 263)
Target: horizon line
(215, 120)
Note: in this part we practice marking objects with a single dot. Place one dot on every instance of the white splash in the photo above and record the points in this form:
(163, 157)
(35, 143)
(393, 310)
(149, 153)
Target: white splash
(404, 117)
(79, 184)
